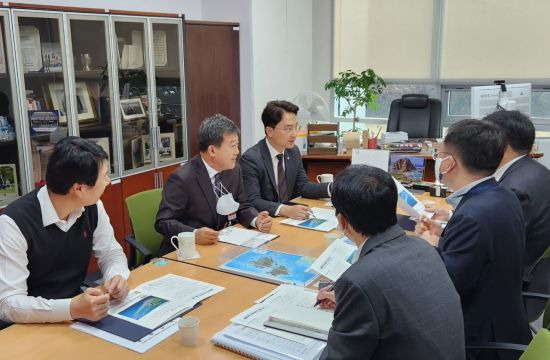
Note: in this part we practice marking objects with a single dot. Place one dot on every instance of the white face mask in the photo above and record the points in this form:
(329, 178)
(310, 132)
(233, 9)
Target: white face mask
(437, 170)
(226, 204)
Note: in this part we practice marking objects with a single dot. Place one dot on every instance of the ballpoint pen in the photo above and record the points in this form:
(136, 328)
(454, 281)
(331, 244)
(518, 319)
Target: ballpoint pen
(331, 287)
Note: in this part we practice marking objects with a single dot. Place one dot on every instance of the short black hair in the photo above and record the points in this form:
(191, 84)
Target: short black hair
(274, 111)
(212, 130)
(478, 144)
(74, 161)
(519, 131)
(367, 198)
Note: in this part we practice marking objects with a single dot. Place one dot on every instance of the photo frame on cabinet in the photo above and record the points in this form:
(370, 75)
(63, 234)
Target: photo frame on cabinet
(132, 109)
(8, 182)
(167, 150)
(137, 152)
(84, 107)
(104, 143)
(146, 148)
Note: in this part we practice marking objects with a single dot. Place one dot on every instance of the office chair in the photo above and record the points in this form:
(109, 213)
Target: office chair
(538, 348)
(145, 241)
(536, 287)
(417, 115)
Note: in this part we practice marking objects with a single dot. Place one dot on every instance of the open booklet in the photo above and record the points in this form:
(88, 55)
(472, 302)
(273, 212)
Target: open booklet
(335, 260)
(244, 237)
(320, 219)
(147, 308)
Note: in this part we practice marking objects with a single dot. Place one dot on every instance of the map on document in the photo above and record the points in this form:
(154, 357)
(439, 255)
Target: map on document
(321, 220)
(271, 265)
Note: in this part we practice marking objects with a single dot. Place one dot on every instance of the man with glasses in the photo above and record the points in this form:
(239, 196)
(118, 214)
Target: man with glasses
(482, 245)
(272, 169)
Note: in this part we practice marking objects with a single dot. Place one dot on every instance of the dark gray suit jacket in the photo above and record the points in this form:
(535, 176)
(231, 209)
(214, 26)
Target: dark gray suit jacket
(259, 179)
(396, 302)
(530, 181)
(189, 203)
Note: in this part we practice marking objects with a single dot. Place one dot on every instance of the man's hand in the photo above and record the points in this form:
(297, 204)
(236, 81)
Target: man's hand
(206, 236)
(263, 222)
(439, 214)
(429, 230)
(91, 305)
(296, 212)
(117, 287)
(327, 298)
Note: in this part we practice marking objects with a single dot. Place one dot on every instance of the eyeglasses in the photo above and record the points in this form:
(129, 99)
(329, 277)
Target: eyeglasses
(437, 155)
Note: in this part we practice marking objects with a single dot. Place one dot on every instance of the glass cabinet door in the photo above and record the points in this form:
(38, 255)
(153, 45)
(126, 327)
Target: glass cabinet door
(12, 182)
(90, 50)
(167, 45)
(42, 68)
(133, 84)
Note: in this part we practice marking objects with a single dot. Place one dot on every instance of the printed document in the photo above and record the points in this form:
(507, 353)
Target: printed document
(335, 260)
(321, 220)
(244, 237)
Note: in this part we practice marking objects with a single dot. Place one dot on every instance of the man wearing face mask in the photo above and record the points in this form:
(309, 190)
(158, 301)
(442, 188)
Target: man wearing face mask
(482, 245)
(396, 301)
(207, 194)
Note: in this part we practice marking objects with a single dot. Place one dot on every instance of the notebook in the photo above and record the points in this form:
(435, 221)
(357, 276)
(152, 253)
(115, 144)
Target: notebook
(312, 322)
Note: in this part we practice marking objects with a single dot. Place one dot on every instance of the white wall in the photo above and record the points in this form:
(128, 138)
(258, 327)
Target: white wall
(191, 8)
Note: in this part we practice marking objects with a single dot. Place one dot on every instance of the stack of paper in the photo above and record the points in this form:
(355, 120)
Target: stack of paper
(321, 220)
(144, 318)
(248, 335)
(389, 137)
(309, 322)
(244, 237)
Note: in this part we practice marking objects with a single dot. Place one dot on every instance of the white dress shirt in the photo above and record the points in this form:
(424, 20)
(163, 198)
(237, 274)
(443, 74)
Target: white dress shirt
(273, 153)
(212, 173)
(501, 170)
(15, 304)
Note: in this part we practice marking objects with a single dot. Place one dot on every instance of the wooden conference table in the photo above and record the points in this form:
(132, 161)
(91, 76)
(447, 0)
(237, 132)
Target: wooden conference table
(59, 341)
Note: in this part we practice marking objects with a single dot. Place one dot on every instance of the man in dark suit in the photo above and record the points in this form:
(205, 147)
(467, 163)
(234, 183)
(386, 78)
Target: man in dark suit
(527, 178)
(483, 243)
(273, 172)
(397, 300)
(193, 199)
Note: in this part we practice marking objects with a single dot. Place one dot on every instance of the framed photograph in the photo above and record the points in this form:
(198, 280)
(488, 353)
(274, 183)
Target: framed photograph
(137, 152)
(51, 57)
(29, 40)
(146, 149)
(8, 182)
(104, 143)
(167, 150)
(132, 109)
(44, 121)
(85, 109)
(159, 48)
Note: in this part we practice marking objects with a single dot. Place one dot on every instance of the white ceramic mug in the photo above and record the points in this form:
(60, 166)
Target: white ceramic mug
(325, 178)
(189, 330)
(186, 245)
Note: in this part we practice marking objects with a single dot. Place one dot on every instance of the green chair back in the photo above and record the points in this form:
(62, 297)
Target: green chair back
(546, 318)
(143, 208)
(539, 347)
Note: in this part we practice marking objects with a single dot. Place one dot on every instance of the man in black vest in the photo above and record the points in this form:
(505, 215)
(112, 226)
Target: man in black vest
(48, 236)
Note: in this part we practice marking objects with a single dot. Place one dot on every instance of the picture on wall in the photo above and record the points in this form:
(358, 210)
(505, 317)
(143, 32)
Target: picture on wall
(8, 182)
(167, 150)
(131, 109)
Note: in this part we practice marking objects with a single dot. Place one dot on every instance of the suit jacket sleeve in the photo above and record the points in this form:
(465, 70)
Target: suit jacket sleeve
(246, 212)
(171, 214)
(464, 252)
(355, 329)
(252, 186)
(304, 187)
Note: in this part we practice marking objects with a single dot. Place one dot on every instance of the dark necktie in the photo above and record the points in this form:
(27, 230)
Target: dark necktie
(218, 184)
(283, 193)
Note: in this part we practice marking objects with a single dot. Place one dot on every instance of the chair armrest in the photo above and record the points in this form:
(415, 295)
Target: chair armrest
(139, 247)
(497, 346)
(536, 296)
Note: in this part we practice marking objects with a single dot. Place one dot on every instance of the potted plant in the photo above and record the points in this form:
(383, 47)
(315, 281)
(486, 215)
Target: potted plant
(358, 90)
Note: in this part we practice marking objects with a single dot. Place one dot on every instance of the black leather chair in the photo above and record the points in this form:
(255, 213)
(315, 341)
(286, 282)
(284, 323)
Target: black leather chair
(417, 115)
